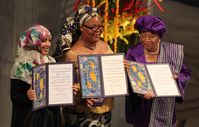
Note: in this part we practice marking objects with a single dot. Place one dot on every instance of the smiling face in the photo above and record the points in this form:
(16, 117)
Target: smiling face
(150, 41)
(45, 46)
(92, 29)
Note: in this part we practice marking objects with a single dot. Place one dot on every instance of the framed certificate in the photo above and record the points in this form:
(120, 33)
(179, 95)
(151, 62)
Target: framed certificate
(155, 77)
(52, 83)
(102, 75)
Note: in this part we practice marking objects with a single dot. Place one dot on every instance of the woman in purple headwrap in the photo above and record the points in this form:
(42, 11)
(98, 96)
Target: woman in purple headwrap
(33, 49)
(147, 111)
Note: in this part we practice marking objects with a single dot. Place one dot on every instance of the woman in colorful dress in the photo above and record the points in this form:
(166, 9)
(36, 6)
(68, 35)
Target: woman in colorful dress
(81, 36)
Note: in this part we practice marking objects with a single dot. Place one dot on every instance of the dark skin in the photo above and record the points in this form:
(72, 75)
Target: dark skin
(89, 43)
(151, 43)
(91, 37)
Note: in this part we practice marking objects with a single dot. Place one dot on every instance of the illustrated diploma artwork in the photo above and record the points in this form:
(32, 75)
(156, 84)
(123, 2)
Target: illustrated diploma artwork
(102, 75)
(139, 78)
(39, 85)
(53, 84)
(90, 76)
(154, 77)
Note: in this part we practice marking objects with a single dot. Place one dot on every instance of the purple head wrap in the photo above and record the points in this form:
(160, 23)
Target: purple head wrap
(151, 24)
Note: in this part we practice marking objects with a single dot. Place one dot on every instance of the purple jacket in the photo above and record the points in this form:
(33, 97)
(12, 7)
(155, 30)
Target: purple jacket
(137, 109)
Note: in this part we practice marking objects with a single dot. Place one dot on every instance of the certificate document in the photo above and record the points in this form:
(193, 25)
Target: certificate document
(102, 75)
(161, 77)
(155, 77)
(52, 83)
(113, 75)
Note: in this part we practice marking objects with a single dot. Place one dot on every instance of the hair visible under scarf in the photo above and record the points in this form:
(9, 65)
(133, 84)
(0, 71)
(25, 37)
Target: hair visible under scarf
(71, 28)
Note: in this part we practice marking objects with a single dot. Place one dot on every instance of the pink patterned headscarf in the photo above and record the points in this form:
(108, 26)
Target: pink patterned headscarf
(31, 39)
(29, 53)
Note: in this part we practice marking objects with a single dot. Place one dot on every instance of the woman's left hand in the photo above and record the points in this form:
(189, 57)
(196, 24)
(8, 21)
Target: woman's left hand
(175, 76)
(126, 64)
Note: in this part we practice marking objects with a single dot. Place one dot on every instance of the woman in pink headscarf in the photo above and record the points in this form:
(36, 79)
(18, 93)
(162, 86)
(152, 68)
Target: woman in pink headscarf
(33, 49)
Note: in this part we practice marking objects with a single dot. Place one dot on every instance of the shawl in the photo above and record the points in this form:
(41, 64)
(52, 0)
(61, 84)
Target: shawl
(163, 108)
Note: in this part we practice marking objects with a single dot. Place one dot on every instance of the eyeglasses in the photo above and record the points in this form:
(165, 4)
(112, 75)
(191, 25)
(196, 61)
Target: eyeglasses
(95, 28)
(149, 36)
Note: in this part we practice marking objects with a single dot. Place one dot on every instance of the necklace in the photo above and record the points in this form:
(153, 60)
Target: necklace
(152, 53)
(88, 46)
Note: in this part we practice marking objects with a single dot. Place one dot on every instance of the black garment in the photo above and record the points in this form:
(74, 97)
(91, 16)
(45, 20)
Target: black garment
(46, 117)
(22, 114)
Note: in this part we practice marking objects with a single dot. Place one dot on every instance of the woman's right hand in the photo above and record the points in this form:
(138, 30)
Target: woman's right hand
(31, 94)
(76, 88)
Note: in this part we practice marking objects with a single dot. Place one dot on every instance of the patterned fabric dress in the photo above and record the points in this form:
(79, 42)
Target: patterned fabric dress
(80, 115)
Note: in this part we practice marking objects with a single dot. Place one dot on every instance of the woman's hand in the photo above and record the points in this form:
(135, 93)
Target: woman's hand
(175, 76)
(126, 64)
(149, 95)
(31, 94)
(91, 101)
(76, 88)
